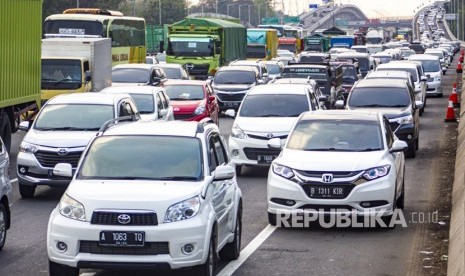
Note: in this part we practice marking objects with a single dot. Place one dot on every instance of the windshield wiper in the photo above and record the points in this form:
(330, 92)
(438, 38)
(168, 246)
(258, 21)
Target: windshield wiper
(369, 149)
(175, 178)
(67, 128)
(370, 105)
(329, 149)
(396, 105)
(178, 99)
(271, 115)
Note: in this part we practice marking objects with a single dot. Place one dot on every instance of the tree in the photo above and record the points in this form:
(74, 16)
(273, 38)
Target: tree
(171, 11)
(50, 7)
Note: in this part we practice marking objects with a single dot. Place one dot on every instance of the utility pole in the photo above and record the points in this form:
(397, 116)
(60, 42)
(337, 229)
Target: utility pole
(240, 11)
(77, 4)
(159, 14)
(216, 8)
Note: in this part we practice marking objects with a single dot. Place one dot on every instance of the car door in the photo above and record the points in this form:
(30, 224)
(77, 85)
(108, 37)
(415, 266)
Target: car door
(223, 200)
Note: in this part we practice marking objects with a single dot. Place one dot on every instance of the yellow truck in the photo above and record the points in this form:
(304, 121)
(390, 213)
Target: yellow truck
(75, 65)
(262, 44)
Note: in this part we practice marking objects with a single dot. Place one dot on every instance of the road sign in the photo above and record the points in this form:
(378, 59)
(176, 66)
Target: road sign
(291, 19)
(313, 6)
(450, 16)
(270, 20)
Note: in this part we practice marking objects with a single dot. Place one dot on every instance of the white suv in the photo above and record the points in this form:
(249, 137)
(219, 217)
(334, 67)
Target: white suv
(60, 133)
(148, 195)
(5, 194)
(433, 71)
(267, 111)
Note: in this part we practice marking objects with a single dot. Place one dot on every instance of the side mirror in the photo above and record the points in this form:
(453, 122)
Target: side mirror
(423, 78)
(224, 172)
(419, 104)
(88, 76)
(162, 113)
(275, 143)
(398, 146)
(444, 69)
(63, 169)
(155, 81)
(24, 126)
(323, 99)
(339, 104)
(211, 98)
(261, 81)
(230, 113)
(359, 76)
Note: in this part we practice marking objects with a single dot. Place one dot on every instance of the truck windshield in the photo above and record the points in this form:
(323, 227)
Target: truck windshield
(73, 27)
(234, 77)
(256, 51)
(314, 47)
(79, 117)
(130, 75)
(61, 74)
(190, 48)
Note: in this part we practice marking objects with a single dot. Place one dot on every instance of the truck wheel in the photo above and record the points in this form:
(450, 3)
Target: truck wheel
(55, 269)
(3, 222)
(26, 191)
(6, 132)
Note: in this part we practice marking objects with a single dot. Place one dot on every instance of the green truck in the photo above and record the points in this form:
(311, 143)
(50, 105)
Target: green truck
(317, 43)
(155, 37)
(20, 61)
(203, 45)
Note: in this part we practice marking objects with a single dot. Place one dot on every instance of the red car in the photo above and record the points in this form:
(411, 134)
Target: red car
(192, 100)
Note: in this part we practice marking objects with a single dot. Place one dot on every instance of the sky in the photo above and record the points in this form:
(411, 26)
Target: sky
(372, 8)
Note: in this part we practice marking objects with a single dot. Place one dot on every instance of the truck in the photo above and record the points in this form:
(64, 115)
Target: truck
(317, 43)
(343, 41)
(374, 37)
(262, 43)
(203, 45)
(155, 38)
(19, 63)
(75, 65)
(359, 38)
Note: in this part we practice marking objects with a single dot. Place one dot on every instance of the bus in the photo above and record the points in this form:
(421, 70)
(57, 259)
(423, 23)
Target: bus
(127, 33)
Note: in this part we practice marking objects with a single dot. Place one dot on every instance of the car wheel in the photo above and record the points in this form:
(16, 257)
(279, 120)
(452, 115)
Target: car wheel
(209, 267)
(411, 150)
(3, 222)
(26, 191)
(272, 219)
(55, 269)
(231, 251)
(417, 143)
(238, 170)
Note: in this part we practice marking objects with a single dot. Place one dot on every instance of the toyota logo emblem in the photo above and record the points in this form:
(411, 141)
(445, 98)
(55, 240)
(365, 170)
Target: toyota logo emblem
(269, 135)
(124, 219)
(62, 151)
(189, 66)
(327, 178)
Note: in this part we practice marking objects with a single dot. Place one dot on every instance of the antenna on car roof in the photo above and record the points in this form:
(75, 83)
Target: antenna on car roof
(112, 122)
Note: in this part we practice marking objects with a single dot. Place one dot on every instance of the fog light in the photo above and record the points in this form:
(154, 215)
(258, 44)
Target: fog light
(62, 247)
(187, 249)
(373, 203)
(22, 170)
(235, 152)
(365, 204)
(290, 202)
(409, 137)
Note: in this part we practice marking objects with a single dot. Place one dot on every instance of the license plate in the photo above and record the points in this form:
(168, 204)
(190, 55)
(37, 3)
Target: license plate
(231, 104)
(336, 192)
(265, 158)
(122, 238)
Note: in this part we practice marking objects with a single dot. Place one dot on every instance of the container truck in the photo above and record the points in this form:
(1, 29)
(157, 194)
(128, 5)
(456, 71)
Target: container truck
(75, 65)
(262, 43)
(203, 45)
(317, 43)
(343, 41)
(19, 63)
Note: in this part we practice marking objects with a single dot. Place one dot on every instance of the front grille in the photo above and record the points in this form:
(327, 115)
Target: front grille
(50, 159)
(394, 125)
(253, 153)
(149, 248)
(137, 219)
(266, 138)
(199, 70)
(183, 116)
(230, 97)
(319, 174)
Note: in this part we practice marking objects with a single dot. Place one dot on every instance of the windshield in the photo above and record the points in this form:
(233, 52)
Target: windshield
(234, 77)
(130, 75)
(73, 27)
(379, 97)
(431, 65)
(349, 74)
(289, 47)
(73, 117)
(273, 69)
(360, 50)
(148, 157)
(438, 54)
(384, 59)
(61, 74)
(314, 59)
(314, 47)
(183, 92)
(256, 51)
(412, 71)
(190, 48)
(144, 103)
(363, 64)
(269, 105)
(336, 135)
(172, 73)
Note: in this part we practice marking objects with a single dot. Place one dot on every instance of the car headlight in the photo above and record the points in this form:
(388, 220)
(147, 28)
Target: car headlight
(237, 132)
(71, 208)
(405, 120)
(199, 110)
(377, 172)
(283, 171)
(183, 210)
(437, 78)
(28, 148)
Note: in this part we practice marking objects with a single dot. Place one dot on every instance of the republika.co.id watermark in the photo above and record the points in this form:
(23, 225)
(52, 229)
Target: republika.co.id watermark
(341, 218)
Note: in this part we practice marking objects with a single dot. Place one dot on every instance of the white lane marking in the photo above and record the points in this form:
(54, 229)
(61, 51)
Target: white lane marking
(247, 251)
(14, 180)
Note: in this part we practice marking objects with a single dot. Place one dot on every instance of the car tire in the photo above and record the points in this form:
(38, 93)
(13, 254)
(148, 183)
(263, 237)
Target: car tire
(272, 219)
(232, 250)
(26, 191)
(209, 267)
(55, 269)
(3, 225)
(6, 131)
(411, 150)
(238, 170)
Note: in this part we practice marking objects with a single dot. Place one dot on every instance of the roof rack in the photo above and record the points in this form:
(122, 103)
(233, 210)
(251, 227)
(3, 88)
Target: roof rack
(114, 121)
(202, 123)
(92, 11)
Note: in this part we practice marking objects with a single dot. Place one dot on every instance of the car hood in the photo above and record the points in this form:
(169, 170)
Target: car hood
(59, 139)
(131, 194)
(390, 113)
(265, 124)
(185, 106)
(330, 161)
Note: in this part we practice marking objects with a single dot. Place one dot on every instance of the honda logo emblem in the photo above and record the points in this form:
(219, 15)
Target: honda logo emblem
(124, 219)
(62, 151)
(189, 66)
(327, 178)
(269, 135)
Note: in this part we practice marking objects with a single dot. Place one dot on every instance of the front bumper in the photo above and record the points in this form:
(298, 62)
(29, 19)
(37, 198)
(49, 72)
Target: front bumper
(434, 88)
(72, 232)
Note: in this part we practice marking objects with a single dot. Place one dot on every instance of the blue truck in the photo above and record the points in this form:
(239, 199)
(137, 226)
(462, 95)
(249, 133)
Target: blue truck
(341, 41)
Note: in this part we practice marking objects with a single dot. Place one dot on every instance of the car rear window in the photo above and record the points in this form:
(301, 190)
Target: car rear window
(379, 97)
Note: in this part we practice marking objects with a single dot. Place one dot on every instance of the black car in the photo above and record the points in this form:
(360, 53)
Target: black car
(396, 100)
(417, 47)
